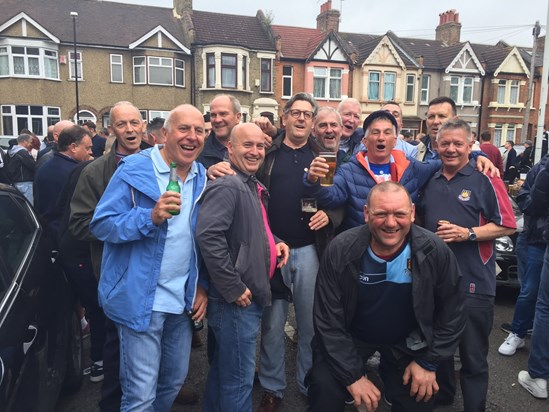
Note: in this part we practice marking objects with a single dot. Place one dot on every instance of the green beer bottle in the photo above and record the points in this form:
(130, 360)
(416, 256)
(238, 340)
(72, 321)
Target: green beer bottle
(173, 186)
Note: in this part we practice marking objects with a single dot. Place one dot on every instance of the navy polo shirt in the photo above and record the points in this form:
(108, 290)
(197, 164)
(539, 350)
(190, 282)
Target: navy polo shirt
(286, 191)
(214, 152)
(470, 199)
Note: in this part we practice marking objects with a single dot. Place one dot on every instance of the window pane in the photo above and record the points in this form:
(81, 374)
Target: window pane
(18, 65)
(36, 110)
(228, 77)
(116, 58)
(51, 68)
(139, 74)
(501, 91)
(7, 125)
(228, 60)
(139, 61)
(34, 66)
(4, 66)
(319, 87)
(116, 73)
(287, 70)
(513, 97)
(160, 75)
(389, 86)
(265, 75)
(468, 90)
(410, 83)
(454, 88)
(373, 86)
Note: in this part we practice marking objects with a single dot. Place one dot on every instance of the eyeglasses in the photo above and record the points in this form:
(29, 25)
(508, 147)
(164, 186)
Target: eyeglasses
(296, 114)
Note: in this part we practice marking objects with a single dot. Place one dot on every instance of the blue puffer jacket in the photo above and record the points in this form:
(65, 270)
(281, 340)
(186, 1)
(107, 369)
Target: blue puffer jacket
(353, 181)
(134, 245)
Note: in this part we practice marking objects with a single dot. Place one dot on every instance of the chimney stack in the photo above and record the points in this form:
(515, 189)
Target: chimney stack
(182, 6)
(449, 27)
(328, 19)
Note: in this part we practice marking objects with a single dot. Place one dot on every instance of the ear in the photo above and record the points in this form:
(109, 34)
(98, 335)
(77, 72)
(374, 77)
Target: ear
(366, 213)
(413, 212)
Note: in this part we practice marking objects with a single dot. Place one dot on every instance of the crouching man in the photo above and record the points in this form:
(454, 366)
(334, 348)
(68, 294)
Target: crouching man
(387, 286)
(240, 253)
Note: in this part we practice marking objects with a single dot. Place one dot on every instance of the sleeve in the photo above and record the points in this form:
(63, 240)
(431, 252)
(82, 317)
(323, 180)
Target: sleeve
(496, 206)
(540, 192)
(83, 203)
(215, 218)
(28, 161)
(330, 197)
(335, 342)
(117, 218)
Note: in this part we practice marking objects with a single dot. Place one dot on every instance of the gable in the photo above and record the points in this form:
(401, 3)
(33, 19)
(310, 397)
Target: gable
(23, 25)
(513, 63)
(385, 54)
(157, 38)
(330, 51)
(465, 61)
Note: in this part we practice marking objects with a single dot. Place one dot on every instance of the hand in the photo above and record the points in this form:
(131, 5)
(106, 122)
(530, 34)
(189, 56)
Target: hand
(424, 383)
(319, 220)
(200, 303)
(268, 141)
(365, 391)
(451, 233)
(167, 201)
(219, 169)
(282, 253)
(266, 126)
(484, 165)
(319, 168)
(245, 299)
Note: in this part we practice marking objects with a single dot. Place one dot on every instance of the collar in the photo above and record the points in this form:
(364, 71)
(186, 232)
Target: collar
(162, 167)
(466, 170)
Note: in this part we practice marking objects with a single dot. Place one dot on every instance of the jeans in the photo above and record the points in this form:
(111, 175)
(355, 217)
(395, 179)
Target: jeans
(529, 285)
(301, 271)
(521, 250)
(231, 375)
(538, 361)
(154, 363)
(26, 190)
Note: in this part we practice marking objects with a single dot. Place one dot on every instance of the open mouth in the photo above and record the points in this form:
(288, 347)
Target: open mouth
(187, 147)
(131, 138)
(380, 147)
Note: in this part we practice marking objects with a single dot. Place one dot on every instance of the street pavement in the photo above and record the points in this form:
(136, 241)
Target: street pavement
(505, 394)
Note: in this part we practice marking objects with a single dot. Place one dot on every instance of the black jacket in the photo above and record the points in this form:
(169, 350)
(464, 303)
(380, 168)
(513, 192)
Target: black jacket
(437, 297)
(21, 165)
(539, 196)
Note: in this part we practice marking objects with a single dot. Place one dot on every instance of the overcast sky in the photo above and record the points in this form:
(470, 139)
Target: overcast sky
(483, 21)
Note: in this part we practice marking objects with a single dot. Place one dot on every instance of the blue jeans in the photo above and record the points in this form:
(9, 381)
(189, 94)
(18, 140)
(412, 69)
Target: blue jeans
(300, 271)
(231, 376)
(521, 250)
(538, 361)
(529, 285)
(154, 363)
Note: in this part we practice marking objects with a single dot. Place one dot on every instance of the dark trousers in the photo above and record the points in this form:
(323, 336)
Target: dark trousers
(80, 274)
(328, 394)
(111, 392)
(473, 351)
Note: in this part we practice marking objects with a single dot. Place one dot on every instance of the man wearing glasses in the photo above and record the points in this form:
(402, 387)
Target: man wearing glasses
(282, 173)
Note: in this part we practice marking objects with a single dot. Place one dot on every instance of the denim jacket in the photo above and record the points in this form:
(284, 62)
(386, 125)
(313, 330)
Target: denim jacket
(134, 245)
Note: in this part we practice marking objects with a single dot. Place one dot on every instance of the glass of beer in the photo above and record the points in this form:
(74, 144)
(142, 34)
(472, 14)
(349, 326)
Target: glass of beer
(331, 159)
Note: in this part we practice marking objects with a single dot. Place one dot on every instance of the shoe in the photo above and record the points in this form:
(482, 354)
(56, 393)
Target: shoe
(197, 340)
(269, 403)
(511, 344)
(186, 396)
(96, 372)
(507, 327)
(536, 386)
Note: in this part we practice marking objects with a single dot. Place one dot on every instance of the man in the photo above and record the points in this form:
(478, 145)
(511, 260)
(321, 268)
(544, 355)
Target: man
(534, 380)
(207, 125)
(327, 130)
(153, 134)
(388, 272)
(126, 124)
(156, 254)
(98, 141)
(240, 254)
(224, 115)
(524, 160)
(350, 111)
(492, 152)
(21, 166)
(440, 110)
(530, 248)
(468, 210)
(46, 154)
(282, 172)
(74, 145)
(353, 180)
(395, 109)
(510, 162)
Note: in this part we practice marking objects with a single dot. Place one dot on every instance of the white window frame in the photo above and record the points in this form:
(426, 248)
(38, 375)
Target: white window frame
(212, 70)
(50, 115)
(85, 115)
(163, 63)
(460, 84)
(378, 82)
(149, 63)
(504, 132)
(46, 56)
(424, 98)
(180, 70)
(119, 65)
(410, 93)
(386, 83)
(158, 113)
(142, 67)
(80, 66)
(289, 78)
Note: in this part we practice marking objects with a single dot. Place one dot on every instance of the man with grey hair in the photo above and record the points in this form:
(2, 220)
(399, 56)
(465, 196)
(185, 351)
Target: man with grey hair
(282, 171)
(350, 110)
(128, 127)
(327, 129)
(468, 210)
(21, 166)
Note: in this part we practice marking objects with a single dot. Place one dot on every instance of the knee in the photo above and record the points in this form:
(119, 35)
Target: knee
(324, 389)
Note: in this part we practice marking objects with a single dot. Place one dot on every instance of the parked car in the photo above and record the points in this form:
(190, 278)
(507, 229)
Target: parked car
(506, 258)
(40, 335)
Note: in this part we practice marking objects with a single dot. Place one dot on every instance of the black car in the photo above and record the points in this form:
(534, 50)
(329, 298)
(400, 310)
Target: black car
(506, 258)
(40, 335)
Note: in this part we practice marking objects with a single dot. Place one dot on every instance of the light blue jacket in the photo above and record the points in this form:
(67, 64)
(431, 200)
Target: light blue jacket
(134, 245)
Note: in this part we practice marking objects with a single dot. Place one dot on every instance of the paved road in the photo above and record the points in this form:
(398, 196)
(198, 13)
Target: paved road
(504, 395)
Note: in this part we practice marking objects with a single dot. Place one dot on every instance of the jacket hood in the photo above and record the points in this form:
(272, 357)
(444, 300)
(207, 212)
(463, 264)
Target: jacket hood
(15, 149)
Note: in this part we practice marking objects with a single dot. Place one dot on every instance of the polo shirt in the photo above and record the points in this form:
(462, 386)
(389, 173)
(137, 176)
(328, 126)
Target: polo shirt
(469, 199)
(214, 152)
(286, 191)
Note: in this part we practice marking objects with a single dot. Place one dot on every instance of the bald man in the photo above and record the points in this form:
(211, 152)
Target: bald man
(46, 154)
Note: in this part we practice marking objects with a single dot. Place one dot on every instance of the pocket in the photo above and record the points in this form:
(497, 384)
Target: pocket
(242, 260)
(119, 280)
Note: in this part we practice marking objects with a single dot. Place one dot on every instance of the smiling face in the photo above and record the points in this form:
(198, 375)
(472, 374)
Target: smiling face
(247, 148)
(184, 135)
(454, 147)
(350, 115)
(437, 114)
(380, 140)
(128, 127)
(389, 215)
(223, 117)
(299, 122)
(327, 129)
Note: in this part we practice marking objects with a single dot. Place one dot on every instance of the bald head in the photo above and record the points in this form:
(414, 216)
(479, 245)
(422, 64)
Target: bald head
(59, 127)
(247, 147)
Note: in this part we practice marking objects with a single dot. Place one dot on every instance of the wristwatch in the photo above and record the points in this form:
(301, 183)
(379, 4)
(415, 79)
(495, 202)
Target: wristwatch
(472, 235)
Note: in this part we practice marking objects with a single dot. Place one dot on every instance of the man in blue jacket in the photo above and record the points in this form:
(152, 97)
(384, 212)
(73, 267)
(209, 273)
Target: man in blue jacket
(149, 284)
